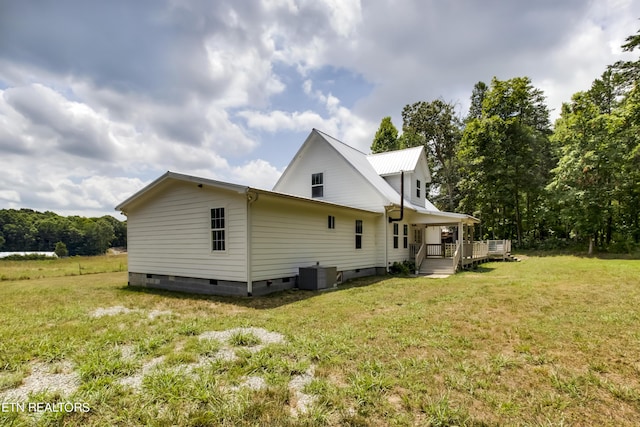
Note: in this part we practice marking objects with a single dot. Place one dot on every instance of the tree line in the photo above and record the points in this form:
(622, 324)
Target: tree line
(576, 182)
(29, 230)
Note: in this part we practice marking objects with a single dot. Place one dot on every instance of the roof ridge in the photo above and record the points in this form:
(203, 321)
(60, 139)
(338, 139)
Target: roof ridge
(395, 151)
(341, 142)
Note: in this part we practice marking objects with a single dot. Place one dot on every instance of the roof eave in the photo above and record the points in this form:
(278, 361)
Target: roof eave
(179, 177)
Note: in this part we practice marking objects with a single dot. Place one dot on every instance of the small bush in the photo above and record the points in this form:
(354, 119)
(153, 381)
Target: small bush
(27, 257)
(403, 268)
(61, 250)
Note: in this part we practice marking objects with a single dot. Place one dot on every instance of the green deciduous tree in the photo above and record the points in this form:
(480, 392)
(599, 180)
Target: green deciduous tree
(61, 250)
(596, 183)
(28, 230)
(436, 126)
(505, 158)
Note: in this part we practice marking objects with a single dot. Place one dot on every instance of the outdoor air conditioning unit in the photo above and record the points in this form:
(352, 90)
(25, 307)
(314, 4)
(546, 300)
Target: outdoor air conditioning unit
(317, 277)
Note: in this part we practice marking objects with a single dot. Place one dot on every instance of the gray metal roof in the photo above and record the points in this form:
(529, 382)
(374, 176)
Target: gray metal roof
(402, 160)
(394, 162)
(361, 162)
(228, 186)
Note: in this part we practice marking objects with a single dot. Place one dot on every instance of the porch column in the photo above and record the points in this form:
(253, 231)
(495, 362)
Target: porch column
(461, 242)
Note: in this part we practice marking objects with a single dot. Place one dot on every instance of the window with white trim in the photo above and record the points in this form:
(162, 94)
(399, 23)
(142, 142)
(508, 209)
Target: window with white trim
(317, 184)
(418, 187)
(218, 235)
(358, 234)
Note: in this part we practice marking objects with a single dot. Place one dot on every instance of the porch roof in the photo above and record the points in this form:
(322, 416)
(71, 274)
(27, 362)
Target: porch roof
(430, 217)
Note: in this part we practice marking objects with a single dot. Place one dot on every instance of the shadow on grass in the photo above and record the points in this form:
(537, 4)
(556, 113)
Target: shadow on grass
(277, 299)
(481, 269)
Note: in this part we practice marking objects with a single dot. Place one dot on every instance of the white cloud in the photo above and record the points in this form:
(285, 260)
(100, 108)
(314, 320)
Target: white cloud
(9, 196)
(256, 173)
(95, 99)
(275, 121)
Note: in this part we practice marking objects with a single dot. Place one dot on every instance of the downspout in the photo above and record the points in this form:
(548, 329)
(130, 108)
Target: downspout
(401, 200)
(386, 242)
(251, 197)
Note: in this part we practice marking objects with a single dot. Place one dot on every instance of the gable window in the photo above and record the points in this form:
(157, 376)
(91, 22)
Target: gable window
(405, 234)
(358, 234)
(317, 185)
(331, 222)
(395, 235)
(218, 229)
(418, 186)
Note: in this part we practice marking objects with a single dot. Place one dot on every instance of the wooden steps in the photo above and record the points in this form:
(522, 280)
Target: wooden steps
(436, 266)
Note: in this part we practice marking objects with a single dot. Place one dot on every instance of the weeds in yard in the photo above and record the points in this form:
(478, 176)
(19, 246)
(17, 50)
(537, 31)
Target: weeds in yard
(244, 339)
(547, 341)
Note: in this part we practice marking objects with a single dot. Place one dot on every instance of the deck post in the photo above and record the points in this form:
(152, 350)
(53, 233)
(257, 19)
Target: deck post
(461, 242)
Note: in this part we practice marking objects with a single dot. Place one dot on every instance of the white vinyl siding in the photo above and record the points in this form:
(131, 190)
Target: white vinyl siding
(290, 235)
(342, 184)
(401, 252)
(170, 234)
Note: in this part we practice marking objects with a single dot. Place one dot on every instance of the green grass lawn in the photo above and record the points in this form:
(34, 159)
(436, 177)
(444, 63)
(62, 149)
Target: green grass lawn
(55, 267)
(547, 341)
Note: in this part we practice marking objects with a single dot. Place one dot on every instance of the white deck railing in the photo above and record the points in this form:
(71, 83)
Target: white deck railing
(499, 247)
(420, 256)
(456, 257)
(465, 253)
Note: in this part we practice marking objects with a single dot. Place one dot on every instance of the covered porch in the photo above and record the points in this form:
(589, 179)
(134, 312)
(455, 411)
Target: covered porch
(455, 252)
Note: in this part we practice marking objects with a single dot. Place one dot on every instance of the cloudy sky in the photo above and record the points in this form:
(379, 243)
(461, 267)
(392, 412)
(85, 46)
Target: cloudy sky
(98, 98)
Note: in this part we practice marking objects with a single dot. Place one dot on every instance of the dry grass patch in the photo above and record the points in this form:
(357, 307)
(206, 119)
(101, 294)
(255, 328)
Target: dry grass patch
(547, 341)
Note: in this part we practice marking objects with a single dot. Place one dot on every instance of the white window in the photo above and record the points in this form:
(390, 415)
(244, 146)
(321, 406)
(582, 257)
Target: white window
(317, 185)
(418, 187)
(218, 235)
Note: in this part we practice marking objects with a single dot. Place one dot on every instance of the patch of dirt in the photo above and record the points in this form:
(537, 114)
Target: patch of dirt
(118, 309)
(135, 381)
(263, 335)
(253, 383)
(301, 402)
(58, 377)
(156, 313)
(110, 311)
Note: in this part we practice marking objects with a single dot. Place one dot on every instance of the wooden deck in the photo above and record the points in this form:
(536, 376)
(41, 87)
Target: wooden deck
(430, 258)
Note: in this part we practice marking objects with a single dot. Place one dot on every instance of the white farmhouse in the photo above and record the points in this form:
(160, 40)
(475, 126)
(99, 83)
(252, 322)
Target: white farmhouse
(333, 206)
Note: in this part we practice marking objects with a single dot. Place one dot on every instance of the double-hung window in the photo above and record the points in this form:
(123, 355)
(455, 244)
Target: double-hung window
(418, 187)
(317, 185)
(395, 235)
(218, 235)
(358, 234)
(405, 236)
